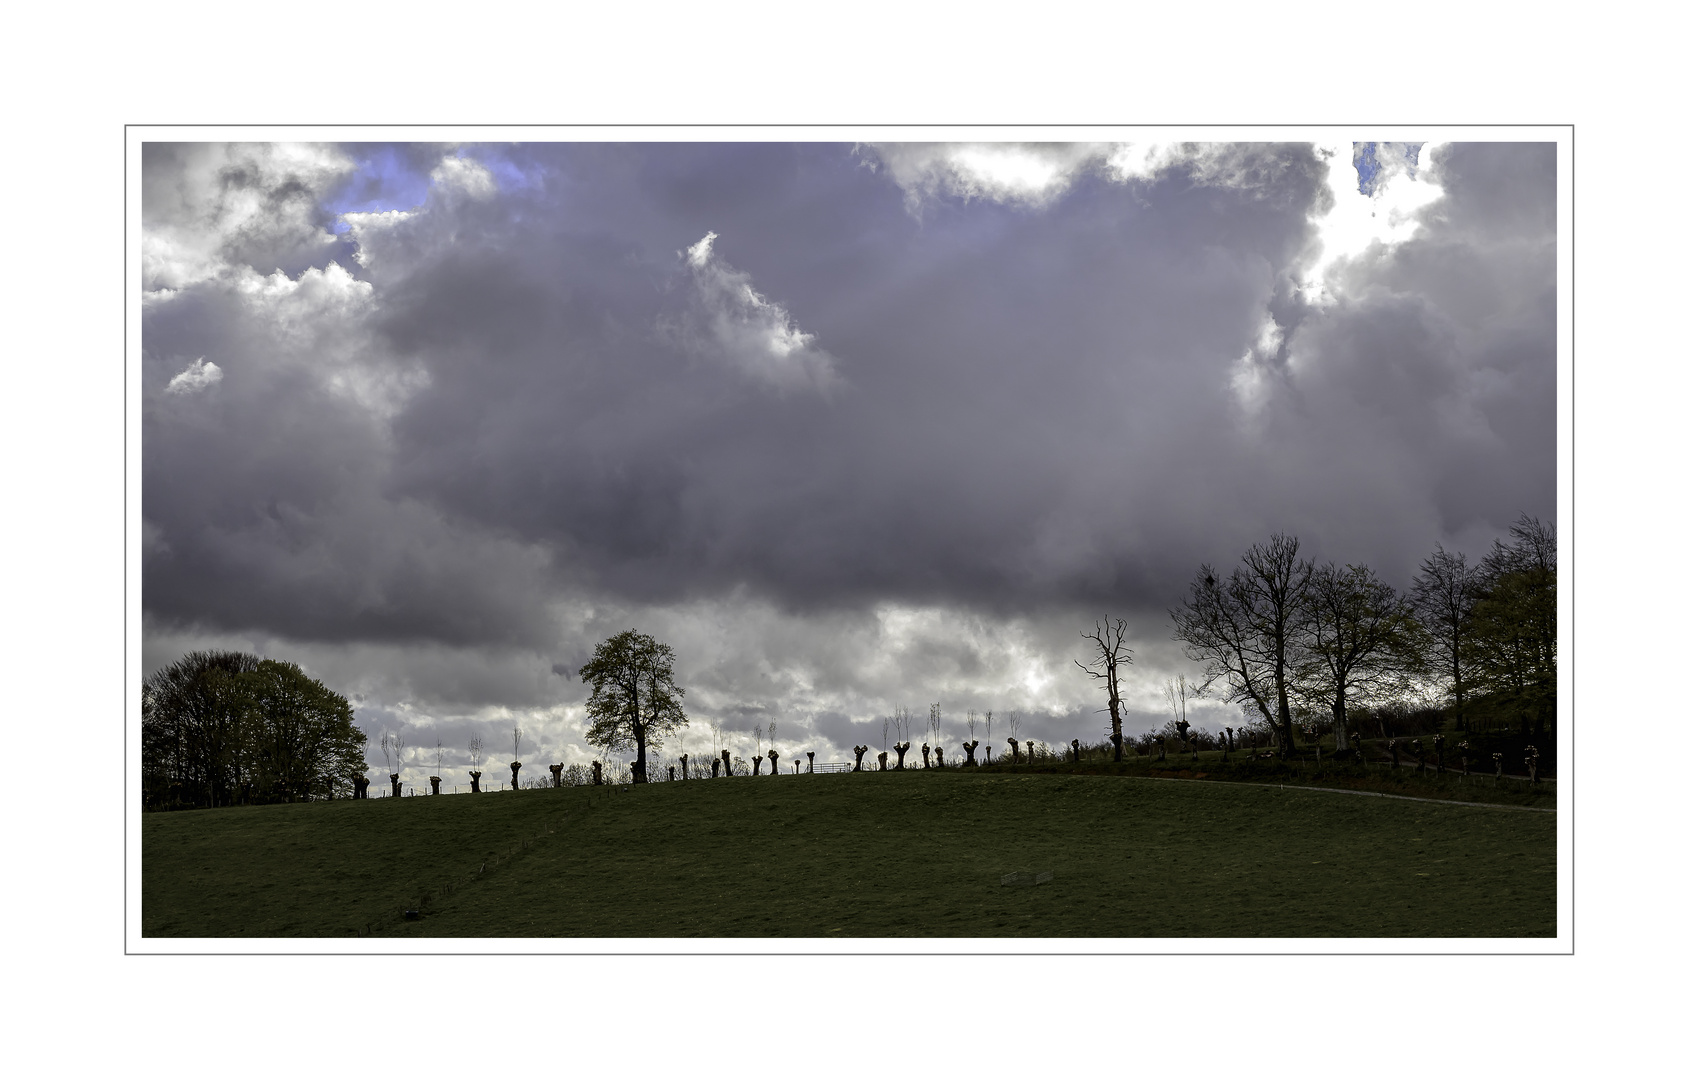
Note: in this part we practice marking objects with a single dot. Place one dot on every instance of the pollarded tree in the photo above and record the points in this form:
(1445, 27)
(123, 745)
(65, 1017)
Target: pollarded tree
(1108, 657)
(1362, 641)
(633, 699)
(1245, 631)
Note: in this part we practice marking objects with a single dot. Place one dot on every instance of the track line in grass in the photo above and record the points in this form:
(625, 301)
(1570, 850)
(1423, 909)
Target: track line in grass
(1349, 791)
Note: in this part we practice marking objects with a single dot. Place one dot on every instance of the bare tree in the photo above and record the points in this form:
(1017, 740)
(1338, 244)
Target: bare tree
(1443, 594)
(1110, 654)
(514, 764)
(1246, 630)
(392, 745)
(1362, 639)
(1177, 693)
(936, 722)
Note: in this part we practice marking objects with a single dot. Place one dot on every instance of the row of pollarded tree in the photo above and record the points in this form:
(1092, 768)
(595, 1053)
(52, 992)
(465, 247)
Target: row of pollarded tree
(635, 704)
(1281, 633)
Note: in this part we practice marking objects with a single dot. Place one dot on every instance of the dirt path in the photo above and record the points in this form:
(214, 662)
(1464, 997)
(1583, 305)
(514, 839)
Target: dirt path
(1351, 791)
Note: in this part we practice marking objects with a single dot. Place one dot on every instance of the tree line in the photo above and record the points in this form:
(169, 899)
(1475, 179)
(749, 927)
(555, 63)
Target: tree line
(1280, 633)
(228, 728)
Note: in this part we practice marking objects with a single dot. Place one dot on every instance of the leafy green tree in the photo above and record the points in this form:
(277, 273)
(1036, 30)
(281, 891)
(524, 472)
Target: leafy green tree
(299, 736)
(1509, 638)
(633, 699)
(220, 728)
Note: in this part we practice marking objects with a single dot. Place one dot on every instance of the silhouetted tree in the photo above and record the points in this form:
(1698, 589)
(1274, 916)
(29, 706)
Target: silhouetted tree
(633, 699)
(1246, 630)
(1362, 640)
(1442, 595)
(226, 727)
(1108, 657)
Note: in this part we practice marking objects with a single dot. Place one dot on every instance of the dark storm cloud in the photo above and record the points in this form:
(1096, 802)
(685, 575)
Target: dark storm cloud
(538, 387)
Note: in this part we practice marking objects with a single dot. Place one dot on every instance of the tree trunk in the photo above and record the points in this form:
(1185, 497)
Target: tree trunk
(474, 776)
(757, 760)
(1015, 751)
(595, 773)
(726, 761)
(360, 786)
(1339, 740)
(773, 759)
(881, 761)
(926, 755)
(860, 750)
(901, 749)
(514, 765)
(436, 785)
(714, 768)
(395, 785)
(640, 771)
(811, 761)
(969, 748)
(555, 769)
(1076, 751)
(684, 766)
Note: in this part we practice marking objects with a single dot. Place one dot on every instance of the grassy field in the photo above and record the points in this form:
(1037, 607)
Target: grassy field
(858, 855)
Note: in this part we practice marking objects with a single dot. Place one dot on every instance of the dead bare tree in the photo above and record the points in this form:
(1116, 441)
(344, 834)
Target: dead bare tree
(1110, 654)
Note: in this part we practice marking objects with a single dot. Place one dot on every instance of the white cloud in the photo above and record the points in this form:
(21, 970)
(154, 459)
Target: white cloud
(234, 204)
(1032, 173)
(464, 175)
(1358, 222)
(745, 329)
(197, 376)
(367, 227)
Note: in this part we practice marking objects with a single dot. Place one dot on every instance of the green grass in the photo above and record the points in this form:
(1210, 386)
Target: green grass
(870, 855)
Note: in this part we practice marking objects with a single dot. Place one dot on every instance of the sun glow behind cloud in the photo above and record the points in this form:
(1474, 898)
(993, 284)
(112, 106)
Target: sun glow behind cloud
(1387, 215)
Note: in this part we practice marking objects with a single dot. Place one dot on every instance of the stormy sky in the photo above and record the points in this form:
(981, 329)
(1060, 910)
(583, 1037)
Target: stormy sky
(853, 427)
